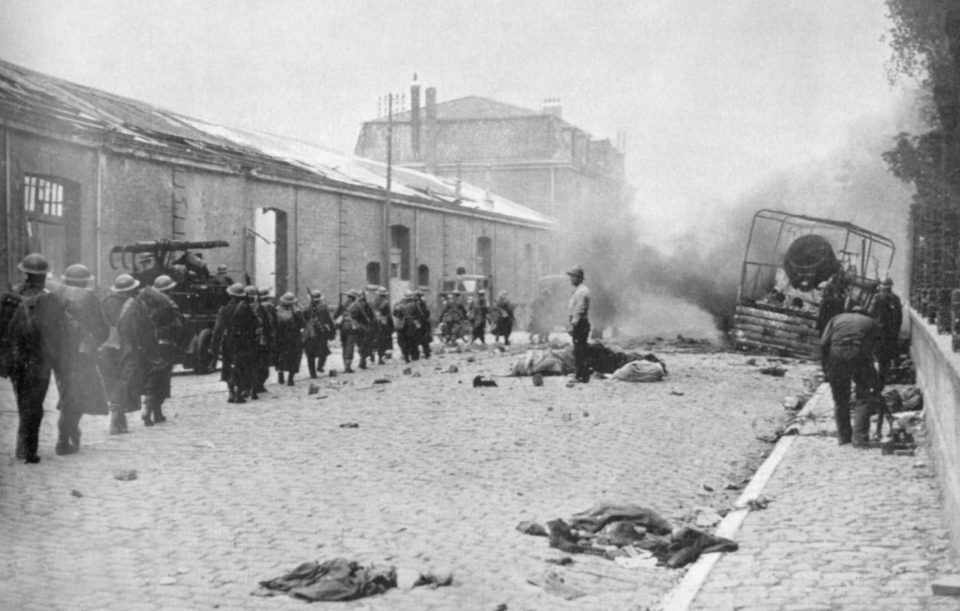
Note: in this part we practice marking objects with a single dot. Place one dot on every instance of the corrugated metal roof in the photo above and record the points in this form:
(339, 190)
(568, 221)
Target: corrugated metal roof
(48, 104)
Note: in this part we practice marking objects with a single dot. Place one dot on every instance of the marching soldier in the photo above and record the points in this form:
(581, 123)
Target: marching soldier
(268, 352)
(289, 337)
(249, 343)
(225, 341)
(318, 330)
(452, 318)
(80, 386)
(477, 312)
(385, 327)
(31, 348)
(371, 329)
(504, 316)
(109, 352)
(160, 336)
(351, 328)
(422, 314)
(408, 327)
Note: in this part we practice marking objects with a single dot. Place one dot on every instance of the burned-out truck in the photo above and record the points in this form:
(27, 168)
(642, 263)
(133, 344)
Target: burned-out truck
(797, 271)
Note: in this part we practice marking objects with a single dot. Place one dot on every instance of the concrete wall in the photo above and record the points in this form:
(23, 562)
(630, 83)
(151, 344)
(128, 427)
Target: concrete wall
(938, 374)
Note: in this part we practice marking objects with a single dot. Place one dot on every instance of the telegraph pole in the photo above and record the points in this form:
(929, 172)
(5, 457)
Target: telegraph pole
(385, 254)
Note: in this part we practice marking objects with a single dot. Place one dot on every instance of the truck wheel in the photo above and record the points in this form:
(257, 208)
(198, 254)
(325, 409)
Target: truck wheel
(204, 360)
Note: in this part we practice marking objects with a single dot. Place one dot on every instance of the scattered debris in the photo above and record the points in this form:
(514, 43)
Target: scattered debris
(586, 414)
(775, 370)
(538, 379)
(758, 503)
(554, 584)
(641, 561)
(479, 382)
(350, 425)
(561, 561)
(750, 362)
(947, 586)
(407, 371)
(529, 527)
(452, 369)
(501, 607)
(705, 517)
(76, 493)
(407, 579)
(125, 475)
(640, 371)
(733, 486)
(332, 373)
(471, 359)
(336, 579)
(382, 381)
(313, 389)
(167, 581)
(676, 393)
(415, 374)
(707, 487)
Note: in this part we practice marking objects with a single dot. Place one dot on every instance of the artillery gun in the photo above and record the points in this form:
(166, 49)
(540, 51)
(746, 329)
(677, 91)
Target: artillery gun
(198, 294)
(795, 270)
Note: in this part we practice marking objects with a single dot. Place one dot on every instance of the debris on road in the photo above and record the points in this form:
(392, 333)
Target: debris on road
(452, 369)
(640, 371)
(554, 584)
(337, 579)
(313, 389)
(538, 379)
(705, 517)
(758, 503)
(615, 530)
(125, 475)
(350, 425)
(561, 561)
(529, 527)
(480, 382)
(774, 370)
(947, 586)
(382, 381)
(76, 493)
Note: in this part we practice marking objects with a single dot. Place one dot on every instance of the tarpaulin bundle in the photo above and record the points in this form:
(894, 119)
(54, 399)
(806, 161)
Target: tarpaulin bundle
(336, 579)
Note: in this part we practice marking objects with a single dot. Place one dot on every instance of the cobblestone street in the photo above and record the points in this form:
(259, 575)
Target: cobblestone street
(437, 474)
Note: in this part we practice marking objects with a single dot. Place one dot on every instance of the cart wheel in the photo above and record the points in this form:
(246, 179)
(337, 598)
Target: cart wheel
(204, 360)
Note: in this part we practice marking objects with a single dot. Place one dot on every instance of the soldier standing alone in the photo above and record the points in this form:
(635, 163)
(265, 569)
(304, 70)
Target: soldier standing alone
(579, 326)
(888, 311)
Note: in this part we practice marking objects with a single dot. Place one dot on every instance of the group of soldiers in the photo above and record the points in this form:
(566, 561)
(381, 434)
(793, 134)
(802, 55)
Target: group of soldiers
(468, 321)
(112, 356)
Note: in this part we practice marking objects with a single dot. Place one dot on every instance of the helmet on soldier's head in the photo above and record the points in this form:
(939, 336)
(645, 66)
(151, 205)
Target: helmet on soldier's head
(575, 271)
(124, 283)
(235, 290)
(221, 269)
(353, 293)
(418, 293)
(77, 274)
(288, 299)
(264, 291)
(250, 291)
(34, 263)
(888, 281)
(164, 283)
(315, 295)
(382, 291)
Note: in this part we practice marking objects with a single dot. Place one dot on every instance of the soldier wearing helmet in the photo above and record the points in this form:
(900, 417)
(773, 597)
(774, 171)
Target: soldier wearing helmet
(124, 287)
(80, 384)
(423, 316)
(289, 338)
(32, 322)
(385, 326)
(352, 317)
(318, 331)
(225, 342)
(503, 314)
(407, 327)
(269, 345)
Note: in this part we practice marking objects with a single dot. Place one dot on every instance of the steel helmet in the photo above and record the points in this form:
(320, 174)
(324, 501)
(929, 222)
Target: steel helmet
(77, 273)
(124, 283)
(288, 299)
(235, 290)
(251, 291)
(34, 263)
(164, 283)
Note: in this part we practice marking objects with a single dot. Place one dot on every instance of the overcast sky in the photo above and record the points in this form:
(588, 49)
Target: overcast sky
(713, 94)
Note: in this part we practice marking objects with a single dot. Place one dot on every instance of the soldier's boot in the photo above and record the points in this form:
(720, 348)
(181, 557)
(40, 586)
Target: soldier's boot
(63, 436)
(253, 395)
(158, 416)
(118, 420)
(146, 413)
(231, 394)
(312, 367)
(279, 377)
(290, 379)
(862, 410)
(363, 362)
(237, 395)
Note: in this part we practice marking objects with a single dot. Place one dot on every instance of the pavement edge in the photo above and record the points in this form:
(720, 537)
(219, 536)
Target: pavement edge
(682, 596)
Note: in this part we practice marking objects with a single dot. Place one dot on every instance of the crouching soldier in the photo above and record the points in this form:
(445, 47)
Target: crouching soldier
(846, 353)
(124, 287)
(318, 330)
(80, 385)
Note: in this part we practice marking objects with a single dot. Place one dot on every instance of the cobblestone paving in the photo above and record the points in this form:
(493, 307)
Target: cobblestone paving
(437, 475)
(847, 529)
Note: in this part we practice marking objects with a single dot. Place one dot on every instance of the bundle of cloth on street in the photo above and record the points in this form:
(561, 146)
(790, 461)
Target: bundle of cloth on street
(341, 579)
(613, 530)
(603, 358)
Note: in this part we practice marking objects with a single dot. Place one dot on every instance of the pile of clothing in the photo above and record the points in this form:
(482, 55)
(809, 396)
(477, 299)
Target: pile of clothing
(613, 530)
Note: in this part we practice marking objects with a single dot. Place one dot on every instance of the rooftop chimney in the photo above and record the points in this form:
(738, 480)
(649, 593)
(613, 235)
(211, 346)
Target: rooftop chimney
(415, 118)
(551, 106)
(430, 155)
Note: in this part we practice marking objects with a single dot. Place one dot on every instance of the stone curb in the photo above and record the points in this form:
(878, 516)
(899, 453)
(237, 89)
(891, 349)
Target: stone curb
(682, 596)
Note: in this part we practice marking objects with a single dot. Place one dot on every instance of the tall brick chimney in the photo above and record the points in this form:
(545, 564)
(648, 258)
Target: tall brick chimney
(415, 118)
(430, 155)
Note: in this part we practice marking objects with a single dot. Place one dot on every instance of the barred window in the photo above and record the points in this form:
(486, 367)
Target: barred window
(42, 196)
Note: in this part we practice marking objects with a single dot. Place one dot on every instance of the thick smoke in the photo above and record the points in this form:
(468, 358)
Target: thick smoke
(690, 287)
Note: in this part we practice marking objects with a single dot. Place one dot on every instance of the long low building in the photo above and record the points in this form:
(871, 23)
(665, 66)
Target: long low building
(86, 170)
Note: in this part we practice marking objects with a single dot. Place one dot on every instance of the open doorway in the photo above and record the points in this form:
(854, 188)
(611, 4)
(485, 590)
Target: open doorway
(270, 249)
